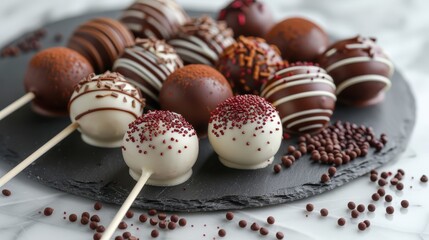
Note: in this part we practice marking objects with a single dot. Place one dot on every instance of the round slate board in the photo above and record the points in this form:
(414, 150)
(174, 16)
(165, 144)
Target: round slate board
(100, 174)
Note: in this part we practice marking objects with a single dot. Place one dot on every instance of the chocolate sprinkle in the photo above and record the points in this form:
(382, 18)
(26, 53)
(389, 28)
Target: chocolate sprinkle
(280, 235)
(229, 216)
(98, 206)
(324, 212)
(390, 210)
(351, 205)
(341, 221)
(405, 203)
(242, 223)
(48, 211)
(6, 192)
(221, 232)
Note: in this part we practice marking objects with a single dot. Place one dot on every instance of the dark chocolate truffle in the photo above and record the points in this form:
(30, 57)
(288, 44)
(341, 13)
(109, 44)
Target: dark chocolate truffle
(298, 39)
(360, 69)
(101, 41)
(304, 95)
(247, 18)
(248, 64)
(147, 65)
(194, 91)
(51, 75)
(202, 40)
(154, 18)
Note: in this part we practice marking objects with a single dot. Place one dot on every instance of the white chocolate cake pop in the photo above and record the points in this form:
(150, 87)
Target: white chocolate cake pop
(245, 131)
(163, 143)
(103, 106)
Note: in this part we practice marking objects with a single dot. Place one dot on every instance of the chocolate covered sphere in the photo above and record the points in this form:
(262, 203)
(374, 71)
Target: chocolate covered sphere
(194, 91)
(298, 39)
(101, 41)
(147, 65)
(247, 18)
(360, 69)
(304, 95)
(51, 75)
(249, 63)
(154, 18)
(202, 40)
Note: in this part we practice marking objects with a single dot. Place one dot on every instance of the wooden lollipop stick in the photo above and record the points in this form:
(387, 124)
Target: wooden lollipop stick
(126, 205)
(39, 152)
(17, 104)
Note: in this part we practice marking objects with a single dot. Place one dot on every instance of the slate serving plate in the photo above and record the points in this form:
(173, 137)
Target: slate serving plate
(100, 174)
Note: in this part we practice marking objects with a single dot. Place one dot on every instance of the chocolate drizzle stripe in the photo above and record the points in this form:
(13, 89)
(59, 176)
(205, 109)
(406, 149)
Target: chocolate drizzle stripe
(308, 119)
(100, 90)
(306, 112)
(79, 116)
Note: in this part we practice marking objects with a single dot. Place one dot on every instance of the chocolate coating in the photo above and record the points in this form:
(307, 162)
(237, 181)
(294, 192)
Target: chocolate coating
(101, 41)
(298, 39)
(360, 69)
(248, 64)
(304, 95)
(247, 18)
(51, 75)
(147, 65)
(194, 91)
(202, 40)
(154, 18)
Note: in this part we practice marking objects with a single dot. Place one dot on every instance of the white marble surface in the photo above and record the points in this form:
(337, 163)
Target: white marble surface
(402, 27)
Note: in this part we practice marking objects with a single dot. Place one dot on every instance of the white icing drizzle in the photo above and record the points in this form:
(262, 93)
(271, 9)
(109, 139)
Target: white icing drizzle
(306, 112)
(139, 70)
(297, 68)
(308, 119)
(195, 49)
(304, 95)
(361, 59)
(299, 82)
(144, 89)
(363, 78)
(331, 52)
(317, 126)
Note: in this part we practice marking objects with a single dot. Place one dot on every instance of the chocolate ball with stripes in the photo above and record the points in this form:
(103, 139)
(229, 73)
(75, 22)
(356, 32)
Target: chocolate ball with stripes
(103, 106)
(147, 65)
(249, 63)
(101, 41)
(361, 70)
(202, 40)
(154, 18)
(304, 95)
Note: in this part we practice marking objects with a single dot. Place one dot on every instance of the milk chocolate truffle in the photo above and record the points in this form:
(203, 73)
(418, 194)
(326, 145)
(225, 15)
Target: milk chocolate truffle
(298, 39)
(247, 18)
(194, 91)
(245, 131)
(51, 75)
(248, 64)
(103, 106)
(202, 40)
(360, 69)
(101, 41)
(304, 95)
(147, 65)
(154, 18)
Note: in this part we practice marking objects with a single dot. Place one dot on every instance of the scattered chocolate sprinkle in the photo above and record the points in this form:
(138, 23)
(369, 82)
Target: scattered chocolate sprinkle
(97, 236)
(394, 181)
(73, 217)
(401, 171)
(101, 229)
(182, 222)
(361, 208)
(325, 178)
(143, 218)
(400, 186)
(384, 175)
(84, 220)
(367, 223)
(6, 192)
(341, 221)
(153, 221)
(424, 179)
(152, 212)
(122, 225)
(390, 210)
(277, 168)
(129, 214)
(371, 207)
(95, 218)
(309, 207)
(119, 238)
(221, 232)
(85, 214)
(280, 235)
(171, 225)
(126, 235)
(271, 220)
(324, 212)
(162, 216)
(242, 223)
(381, 182)
(48, 211)
(263, 231)
(388, 198)
(229, 216)
(154, 233)
(373, 177)
(362, 226)
(332, 171)
(255, 227)
(354, 213)
(162, 224)
(93, 225)
(375, 196)
(405, 203)
(351, 205)
(381, 192)
(98, 206)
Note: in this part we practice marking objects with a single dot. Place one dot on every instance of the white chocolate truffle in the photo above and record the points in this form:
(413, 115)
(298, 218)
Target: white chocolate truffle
(163, 143)
(147, 65)
(103, 106)
(245, 131)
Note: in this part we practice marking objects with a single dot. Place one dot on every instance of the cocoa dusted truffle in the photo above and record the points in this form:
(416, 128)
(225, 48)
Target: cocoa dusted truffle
(51, 75)
(304, 95)
(154, 18)
(298, 39)
(194, 91)
(245, 131)
(248, 64)
(147, 65)
(101, 41)
(202, 40)
(247, 18)
(360, 69)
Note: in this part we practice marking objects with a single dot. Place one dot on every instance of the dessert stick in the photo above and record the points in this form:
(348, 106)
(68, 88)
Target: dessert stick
(28, 97)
